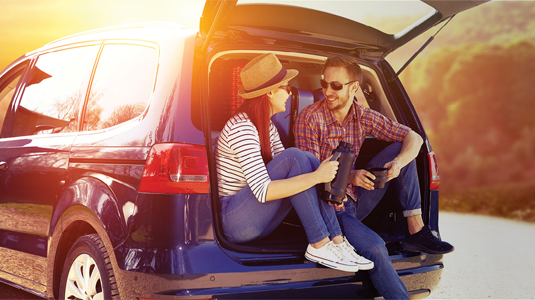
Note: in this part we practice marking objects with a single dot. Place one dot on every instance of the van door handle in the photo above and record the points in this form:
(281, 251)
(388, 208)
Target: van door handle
(3, 165)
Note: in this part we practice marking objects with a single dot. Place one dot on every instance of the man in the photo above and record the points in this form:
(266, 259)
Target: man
(321, 126)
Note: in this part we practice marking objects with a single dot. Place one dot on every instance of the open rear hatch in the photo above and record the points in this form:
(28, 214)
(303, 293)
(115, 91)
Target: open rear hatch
(318, 28)
(302, 27)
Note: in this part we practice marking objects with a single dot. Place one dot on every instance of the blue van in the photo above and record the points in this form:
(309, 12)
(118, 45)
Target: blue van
(107, 175)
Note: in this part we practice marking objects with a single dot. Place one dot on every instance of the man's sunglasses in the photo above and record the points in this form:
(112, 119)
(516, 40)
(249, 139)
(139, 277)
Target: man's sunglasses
(335, 85)
(287, 87)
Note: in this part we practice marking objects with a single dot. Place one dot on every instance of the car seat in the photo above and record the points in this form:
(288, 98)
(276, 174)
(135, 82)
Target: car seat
(284, 121)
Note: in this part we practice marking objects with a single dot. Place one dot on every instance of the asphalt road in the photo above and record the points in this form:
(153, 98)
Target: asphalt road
(493, 259)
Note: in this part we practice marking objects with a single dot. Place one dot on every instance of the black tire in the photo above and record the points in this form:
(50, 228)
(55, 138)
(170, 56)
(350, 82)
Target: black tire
(90, 256)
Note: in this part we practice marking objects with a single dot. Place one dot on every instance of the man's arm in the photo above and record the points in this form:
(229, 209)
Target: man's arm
(411, 146)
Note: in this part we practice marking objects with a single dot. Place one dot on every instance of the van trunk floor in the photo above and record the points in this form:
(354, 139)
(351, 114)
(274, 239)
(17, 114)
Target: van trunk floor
(287, 237)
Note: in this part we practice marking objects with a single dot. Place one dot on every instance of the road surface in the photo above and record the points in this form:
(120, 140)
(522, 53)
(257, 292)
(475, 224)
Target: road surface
(493, 259)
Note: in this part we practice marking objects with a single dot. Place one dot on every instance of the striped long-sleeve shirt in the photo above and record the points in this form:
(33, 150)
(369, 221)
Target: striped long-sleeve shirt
(239, 160)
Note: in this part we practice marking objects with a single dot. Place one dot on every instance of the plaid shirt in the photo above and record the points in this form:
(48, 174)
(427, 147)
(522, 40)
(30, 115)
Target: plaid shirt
(318, 131)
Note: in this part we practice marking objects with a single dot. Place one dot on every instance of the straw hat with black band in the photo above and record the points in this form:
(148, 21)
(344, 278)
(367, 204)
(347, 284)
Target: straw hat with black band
(262, 74)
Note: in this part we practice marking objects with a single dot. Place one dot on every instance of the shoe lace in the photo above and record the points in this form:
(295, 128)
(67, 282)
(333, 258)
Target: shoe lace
(433, 237)
(348, 248)
(336, 251)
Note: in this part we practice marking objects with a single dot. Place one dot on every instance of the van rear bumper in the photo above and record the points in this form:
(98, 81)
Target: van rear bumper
(309, 283)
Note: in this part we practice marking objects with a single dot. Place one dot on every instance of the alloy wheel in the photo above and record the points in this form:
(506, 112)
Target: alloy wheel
(84, 280)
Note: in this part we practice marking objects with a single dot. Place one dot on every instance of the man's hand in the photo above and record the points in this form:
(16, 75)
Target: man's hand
(362, 178)
(394, 167)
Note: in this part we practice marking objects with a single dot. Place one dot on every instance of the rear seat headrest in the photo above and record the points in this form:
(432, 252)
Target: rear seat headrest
(318, 94)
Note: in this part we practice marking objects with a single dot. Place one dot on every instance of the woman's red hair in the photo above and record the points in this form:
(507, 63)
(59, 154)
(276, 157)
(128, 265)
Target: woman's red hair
(259, 112)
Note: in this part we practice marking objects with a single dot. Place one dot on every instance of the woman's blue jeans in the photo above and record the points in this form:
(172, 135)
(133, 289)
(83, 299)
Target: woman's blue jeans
(245, 218)
(368, 243)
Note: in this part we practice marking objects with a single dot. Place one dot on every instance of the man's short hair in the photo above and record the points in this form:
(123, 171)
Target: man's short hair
(348, 62)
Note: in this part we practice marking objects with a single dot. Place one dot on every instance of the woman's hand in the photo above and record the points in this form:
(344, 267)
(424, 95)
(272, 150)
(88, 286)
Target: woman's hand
(327, 170)
(362, 178)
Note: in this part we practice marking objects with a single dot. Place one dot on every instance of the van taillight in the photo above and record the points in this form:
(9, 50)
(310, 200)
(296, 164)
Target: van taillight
(433, 171)
(176, 169)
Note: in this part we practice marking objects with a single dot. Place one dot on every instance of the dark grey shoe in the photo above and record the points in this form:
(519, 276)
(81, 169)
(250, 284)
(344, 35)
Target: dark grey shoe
(426, 241)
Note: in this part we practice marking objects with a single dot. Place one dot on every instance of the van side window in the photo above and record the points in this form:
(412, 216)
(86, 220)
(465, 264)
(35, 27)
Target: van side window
(7, 91)
(122, 85)
(52, 97)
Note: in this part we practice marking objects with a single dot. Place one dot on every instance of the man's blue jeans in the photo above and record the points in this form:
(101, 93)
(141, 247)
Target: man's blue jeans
(368, 243)
(245, 218)
(406, 186)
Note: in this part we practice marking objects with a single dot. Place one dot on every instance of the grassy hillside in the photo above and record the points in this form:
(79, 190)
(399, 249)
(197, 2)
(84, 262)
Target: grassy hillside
(493, 22)
(474, 92)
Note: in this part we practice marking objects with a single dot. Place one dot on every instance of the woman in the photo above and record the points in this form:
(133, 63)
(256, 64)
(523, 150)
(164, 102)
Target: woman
(259, 181)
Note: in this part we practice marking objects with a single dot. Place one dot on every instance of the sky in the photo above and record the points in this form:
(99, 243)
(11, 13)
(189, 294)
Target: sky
(26, 25)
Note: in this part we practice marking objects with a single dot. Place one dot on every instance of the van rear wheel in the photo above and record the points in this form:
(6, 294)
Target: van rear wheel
(87, 273)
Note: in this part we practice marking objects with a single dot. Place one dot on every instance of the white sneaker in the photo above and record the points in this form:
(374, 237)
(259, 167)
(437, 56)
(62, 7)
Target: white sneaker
(330, 256)
(351, 254)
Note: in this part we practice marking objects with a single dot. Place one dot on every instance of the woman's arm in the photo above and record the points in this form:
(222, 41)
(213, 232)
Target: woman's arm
(278, 189)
